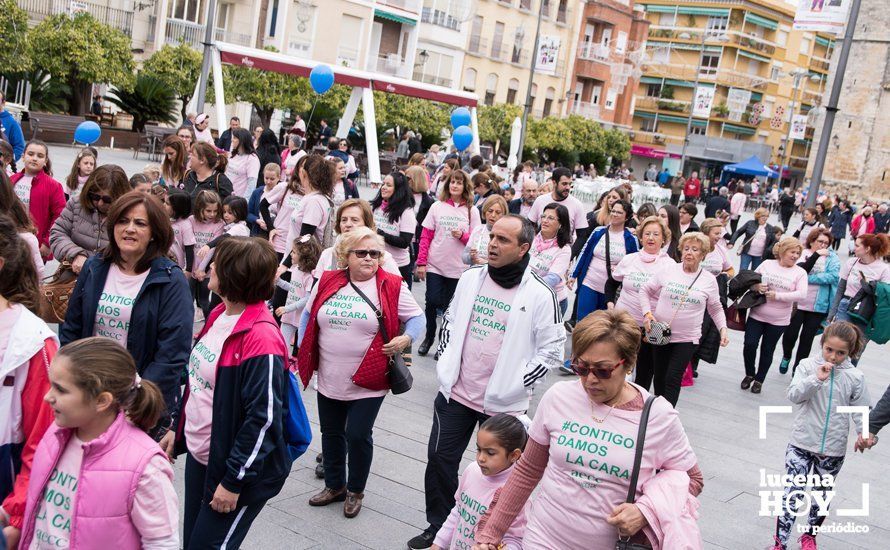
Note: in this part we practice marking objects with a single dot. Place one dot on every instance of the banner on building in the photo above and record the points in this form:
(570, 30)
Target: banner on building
(821, 15)
(737, 101)
(548, 54)
(704, 98)
(798, 126)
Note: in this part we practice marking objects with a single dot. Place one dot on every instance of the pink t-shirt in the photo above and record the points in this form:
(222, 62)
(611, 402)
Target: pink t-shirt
(116, 304)
(202, 379)
(205, 232)
(790, 285)
(34, 246)
(717, 260)
(482, 345)
(444, 256)
(315, 209)
(242, 171)
(155, 512)
(808, 303)
(547, 257)
(283, 223)
(183, 236)
(472, 499)
(23, 189)
(327, 262)
(596, 273)
(407, 223)
(878, 270)
(301, 285)
(758, 242)
(8, 318)
(634, 271)
(478, 241)
(737, 204)
(670, 285)
(346, 327)
(577, 216)
(590, 464)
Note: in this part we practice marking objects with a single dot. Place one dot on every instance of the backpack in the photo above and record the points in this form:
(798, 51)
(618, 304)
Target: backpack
(878, 328)
(863, 305)
(297, 431)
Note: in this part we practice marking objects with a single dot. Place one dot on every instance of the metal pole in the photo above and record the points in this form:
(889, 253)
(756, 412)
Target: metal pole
(208, 55)
(788, 144)
(701, 53)
(531, 76)
(831, 109)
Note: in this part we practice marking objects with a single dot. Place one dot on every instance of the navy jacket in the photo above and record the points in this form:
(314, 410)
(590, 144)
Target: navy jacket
(253, 212)
(161, 324)
(630, 246)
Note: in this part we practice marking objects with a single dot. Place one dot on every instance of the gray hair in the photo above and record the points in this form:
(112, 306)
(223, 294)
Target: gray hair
(296, 141)
(724, 191)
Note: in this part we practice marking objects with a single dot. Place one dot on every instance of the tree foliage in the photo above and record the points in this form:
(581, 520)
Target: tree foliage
(575, 139)
(80, 50)
(179, 68)
(266, 90)
(48, 94)
(149, 100)
(15, 54)
(496, 122)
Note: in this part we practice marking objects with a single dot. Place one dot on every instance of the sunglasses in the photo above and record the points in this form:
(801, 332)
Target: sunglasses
(96, 197)
(583, 369)
(362, 253)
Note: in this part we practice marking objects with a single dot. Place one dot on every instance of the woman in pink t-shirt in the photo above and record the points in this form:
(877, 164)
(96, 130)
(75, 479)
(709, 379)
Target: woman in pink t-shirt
(244, 165)
(581, 499)
(783, 283)
(493, 208)
(446, 230)
(395, 219)
(684, 292)
(207, 224)
(551, 251)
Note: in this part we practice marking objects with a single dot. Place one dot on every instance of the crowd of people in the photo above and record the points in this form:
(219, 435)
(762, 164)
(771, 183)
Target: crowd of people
(202, 288)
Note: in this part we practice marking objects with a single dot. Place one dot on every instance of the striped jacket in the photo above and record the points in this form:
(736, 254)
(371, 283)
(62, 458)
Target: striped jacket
(248, 452)
(533, 342)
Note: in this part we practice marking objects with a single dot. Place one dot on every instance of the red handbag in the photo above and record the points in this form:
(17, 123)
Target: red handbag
(736, 318)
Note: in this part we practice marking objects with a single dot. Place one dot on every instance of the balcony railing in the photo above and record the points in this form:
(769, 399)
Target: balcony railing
(440, 18)
(799, 162)
(663, 104)
(39, 10)
(477, 45)
(407, 5)
(693, 35)
(585, 109)
(178, 30)
(432, 79)
(725, 77)
(519, 57)
(594, 52)
(820, 64)
(498, 51)
(390, 64)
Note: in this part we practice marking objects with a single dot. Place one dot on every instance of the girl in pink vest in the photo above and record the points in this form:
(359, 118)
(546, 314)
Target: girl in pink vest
(97, 477)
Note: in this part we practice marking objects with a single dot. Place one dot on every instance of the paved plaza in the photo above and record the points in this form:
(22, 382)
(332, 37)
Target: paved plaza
(720, 420)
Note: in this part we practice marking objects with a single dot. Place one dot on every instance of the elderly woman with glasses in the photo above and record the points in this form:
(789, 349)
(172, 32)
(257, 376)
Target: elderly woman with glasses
(583, 488)
(823, 269)
(343, 339)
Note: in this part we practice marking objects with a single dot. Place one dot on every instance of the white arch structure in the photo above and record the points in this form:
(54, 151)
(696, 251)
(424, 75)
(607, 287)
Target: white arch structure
(363, 83)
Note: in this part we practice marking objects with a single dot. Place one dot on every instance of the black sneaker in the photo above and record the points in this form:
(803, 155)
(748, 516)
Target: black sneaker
(423, 540)
(425, 347)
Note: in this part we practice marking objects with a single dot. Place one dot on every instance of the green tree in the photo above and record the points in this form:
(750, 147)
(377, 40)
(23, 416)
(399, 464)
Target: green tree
(179, 68)
(14, 55)
(149, 100)
(496, 123)
(266, 90)
(80, 51)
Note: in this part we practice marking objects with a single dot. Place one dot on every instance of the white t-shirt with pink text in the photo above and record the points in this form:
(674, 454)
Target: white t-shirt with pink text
(597, 273)
(758, 242)
(314, 209)
(116, 304)
(634, 271)
(854, 270)
(577, 216)
(23, 189)
(205, 232)
(789, 284)
(407, 223)
(183, 236)
(717, 260)
(444, 257)
(808, 303)
(681, 305)
(548, 257)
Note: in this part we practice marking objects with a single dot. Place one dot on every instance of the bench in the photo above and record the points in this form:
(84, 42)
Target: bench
(59, 128)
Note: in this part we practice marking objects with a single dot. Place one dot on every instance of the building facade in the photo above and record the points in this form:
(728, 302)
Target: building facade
(749, 64)
(858, 159)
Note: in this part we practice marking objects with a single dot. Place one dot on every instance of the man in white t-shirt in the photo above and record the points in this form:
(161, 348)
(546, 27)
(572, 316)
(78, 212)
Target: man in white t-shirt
(561, 194)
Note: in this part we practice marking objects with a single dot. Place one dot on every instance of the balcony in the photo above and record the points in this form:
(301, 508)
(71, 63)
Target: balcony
(820, 64)
(432, 79)
(391, 63)
(585, 109)
(594, 52)
(178, 30)
(693, 36)
(439, 18)
(799, 162)
(477, 46)
(520, 57)
(38, 10)
(563, 15)
(662, 104)
(721, 76)
(407, 5)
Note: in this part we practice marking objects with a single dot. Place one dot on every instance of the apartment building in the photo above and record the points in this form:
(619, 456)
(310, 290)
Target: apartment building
(610, 39)
(744, 55)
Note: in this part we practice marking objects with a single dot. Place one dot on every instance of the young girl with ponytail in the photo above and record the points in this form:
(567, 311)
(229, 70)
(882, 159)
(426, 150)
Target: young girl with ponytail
(97, 475)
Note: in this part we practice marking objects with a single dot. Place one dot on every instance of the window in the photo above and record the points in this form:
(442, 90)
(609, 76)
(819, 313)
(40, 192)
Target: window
(660, 55)
(667, 19)
(698, 130)
(548, 101)
(611, 98)
(518, 37)
(805, 45)
(498, 40)
(653, 90)
(767, 109)
(436, 70)
(470, 79)
(709, 64)
(649, 125)
(774, 73)
(512, 89)
(782, 38)
(717, 24)
(595, 93)
(545, 8)
(561, 11)
(491, 87)
(348, 45)
(475, 35)
(621, 43)
(525, 5)
(606, 37)
(271, 18)
(753, 67)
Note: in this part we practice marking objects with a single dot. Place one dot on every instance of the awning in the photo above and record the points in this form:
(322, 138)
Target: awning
(696, 47)
(824, 42)
(651, 8)
(650, 80)
(761, 21)
(688, 84)
(754, 56)
(671, 118)
(744, 130)
(699, 123)
(393, 17)
(651, 152)
(717, 12)
(644, 114)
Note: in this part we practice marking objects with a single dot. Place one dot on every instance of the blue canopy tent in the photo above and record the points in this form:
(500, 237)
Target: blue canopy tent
(751, 166)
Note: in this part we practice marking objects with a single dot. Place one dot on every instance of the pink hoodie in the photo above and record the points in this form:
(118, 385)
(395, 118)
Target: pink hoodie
(671, 511)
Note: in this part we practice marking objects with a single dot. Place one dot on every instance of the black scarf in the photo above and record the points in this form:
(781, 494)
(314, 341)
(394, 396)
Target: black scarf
(509, 275)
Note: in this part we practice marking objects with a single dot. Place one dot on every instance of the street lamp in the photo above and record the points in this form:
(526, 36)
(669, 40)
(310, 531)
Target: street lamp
(424, 57)
(784, 152)
(701, 53)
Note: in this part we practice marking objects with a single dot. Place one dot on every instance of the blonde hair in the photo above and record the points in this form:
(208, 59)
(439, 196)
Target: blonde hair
(492, 201)
(365, 208)
(348, 241)
(761, 212)
(152, 172)
(784, 245)
(665, 230)
(709, 224)
(417, 179)
(614, 326)
(699, 237)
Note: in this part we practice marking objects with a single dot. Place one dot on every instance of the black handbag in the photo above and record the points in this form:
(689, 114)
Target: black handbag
(624, 542)
(612, 287)
(398, 375)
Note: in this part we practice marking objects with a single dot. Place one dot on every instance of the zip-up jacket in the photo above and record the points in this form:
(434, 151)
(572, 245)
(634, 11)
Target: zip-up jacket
(747, 231)
(160, 333)
(586, 256)
(24, 373)
(533, 342)
(818, 426)
(77, 233)
(248, 452)
(47, 202)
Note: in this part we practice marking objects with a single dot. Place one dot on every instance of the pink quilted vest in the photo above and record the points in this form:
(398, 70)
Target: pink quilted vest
(112, 466)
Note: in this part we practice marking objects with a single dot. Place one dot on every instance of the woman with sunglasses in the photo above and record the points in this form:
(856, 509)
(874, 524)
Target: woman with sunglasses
(580, 503)
(79, 231)
(341, 338)
(823, 269)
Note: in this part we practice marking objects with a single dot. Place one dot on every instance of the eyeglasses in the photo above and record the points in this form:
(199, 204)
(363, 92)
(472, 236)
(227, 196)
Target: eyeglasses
(601, 372)
(362, 253)
(823, 242)
(96, 197)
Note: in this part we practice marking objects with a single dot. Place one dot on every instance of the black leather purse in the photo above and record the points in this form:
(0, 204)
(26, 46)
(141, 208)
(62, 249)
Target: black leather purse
(624, 542)
(398, 375)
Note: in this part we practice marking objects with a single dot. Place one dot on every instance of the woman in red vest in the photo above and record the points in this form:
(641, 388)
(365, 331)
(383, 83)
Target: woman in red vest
(341, 338)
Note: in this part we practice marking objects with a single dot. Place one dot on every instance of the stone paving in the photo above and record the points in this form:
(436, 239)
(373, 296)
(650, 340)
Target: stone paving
(720, 420)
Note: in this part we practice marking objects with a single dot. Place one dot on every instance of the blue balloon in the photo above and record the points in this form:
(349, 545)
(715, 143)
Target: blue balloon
(461, 117)
(462, 137)
(87, 132)
(321, 78)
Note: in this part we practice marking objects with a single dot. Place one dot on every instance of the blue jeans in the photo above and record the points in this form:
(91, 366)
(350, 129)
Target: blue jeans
(589, 301)
(749, 260)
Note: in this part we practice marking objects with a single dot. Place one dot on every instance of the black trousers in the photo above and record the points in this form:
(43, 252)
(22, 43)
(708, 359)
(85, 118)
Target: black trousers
(439, 291)
(785, 215)
(645, 369)
(406, 272)
(669, 365)
(279, 297)
(201, 294)
(203, 528)
(453, 426)
(755, 331)
(347, 429)
(805, 323)
(734, 224)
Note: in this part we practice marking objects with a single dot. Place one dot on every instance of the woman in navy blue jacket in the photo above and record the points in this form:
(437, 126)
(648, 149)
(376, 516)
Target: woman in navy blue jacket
(132, 293)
